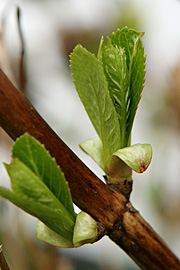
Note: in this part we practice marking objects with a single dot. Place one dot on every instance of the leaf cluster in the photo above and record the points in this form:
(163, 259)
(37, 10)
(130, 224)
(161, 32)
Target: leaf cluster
(110, 87)
(40, 189)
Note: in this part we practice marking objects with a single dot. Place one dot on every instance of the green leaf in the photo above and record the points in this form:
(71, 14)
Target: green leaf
(136, 157)
(47, 235)
(31, 192)
(93, 147)
(38, 160)
(85, 230)
(124, 62)
(39, 202)
(126, 38)
(115, 68)
(31, 188)
(136, 81)
(92, 88)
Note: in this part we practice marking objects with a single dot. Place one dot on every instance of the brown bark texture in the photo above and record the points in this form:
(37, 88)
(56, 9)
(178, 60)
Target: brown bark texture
(107, 206)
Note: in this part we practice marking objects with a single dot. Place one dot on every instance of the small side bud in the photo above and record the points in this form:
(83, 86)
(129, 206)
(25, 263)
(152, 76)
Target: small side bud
(85, 230)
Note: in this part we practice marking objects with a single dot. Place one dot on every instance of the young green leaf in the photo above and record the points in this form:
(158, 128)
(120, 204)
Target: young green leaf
(33, 191)
(130, 40)
(38, 160)
(126, 38)
(124, 62)
(115, 68)
(33, 196)
(92, 88)
(117, 72)
(136, 82)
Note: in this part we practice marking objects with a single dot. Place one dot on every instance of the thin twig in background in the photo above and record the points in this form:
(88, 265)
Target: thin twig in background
(22, 69)
(3, 263)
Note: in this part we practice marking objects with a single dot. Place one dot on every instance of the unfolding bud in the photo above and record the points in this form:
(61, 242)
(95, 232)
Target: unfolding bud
(135, 157)
(85, 230)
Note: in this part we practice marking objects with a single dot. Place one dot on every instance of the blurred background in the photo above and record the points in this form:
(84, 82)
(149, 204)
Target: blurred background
(50, 30)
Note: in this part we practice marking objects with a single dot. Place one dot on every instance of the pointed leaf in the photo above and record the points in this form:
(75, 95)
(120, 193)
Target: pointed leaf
(92, 88)
(124, 62)
(136, 81)
(115, 68)
(35, 156)
(27, 185)
(55, 220)
(126, 38)
(93, 147)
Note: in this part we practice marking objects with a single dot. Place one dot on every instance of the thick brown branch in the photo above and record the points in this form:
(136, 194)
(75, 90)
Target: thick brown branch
(136, 237)
(124, 225)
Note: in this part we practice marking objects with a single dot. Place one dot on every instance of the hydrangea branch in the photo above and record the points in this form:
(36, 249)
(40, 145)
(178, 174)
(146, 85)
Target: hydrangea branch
(120, 220)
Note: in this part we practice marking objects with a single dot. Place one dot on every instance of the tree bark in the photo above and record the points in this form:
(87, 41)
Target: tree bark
(112, 209)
